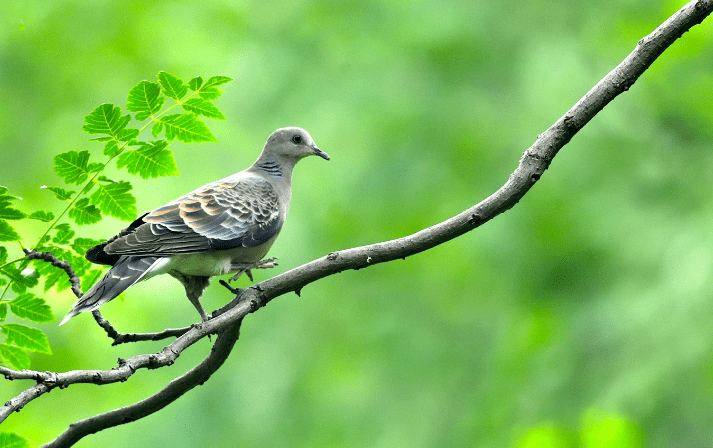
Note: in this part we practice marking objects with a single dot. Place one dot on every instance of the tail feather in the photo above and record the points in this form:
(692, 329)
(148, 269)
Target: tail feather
(127, 271)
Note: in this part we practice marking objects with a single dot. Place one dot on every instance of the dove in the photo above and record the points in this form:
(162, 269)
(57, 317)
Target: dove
(223, 227)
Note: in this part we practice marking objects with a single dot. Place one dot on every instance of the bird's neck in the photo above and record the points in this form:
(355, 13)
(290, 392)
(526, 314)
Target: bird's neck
(274, 168)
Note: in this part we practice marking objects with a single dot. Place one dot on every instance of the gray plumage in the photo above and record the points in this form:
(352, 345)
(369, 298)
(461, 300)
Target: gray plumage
(222, 227)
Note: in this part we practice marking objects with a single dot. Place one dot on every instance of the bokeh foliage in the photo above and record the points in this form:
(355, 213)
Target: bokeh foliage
(582, 317)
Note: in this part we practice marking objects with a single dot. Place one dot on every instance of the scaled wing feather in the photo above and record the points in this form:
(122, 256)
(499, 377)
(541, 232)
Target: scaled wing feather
(221, 215)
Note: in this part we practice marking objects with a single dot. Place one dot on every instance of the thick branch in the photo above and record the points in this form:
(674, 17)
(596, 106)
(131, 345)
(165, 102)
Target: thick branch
(533, 163)
(194, 377)
(46, 381)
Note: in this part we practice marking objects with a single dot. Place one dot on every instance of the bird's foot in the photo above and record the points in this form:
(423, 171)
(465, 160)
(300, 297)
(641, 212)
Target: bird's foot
(230, 288)
(245, 268)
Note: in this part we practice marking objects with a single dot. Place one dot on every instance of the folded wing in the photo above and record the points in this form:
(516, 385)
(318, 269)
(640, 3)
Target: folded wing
(221, 215)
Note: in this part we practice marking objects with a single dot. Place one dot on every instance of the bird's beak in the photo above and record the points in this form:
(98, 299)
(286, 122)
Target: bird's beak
(319, 152)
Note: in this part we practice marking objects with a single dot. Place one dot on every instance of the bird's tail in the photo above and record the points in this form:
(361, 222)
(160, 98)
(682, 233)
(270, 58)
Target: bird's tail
(127, 271)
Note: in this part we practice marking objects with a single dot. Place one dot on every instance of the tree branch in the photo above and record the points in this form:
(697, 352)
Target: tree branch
(198, 375)
(56, 262)
(124, 338)
(533, 163)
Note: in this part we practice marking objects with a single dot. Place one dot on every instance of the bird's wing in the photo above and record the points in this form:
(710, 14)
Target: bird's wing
(222, 215)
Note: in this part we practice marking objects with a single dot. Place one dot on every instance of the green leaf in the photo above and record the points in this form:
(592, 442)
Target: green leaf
(91, 277)
(210, 90)
(195, 83)
(80, 264)
(6, 198)
(157, 128)
(3, 254)
(186, 128)
(150, 160)
(28, 338)
(12, 272)
(43, 241)
(64, 227)
(173, 87)
(63, 236)
(27, 306)
(111, 147)
(54, 277)
(144, 98)
(82, 245)
(73, 166)
(42, 216)
(3, 311)
(217, 81)
(7, 233)
(30, 278)
(84, 213)
(200, 106)
(210, 93)
(12, 440)
(115, 200)
(11, 213)
(106, 119)
(3, 190)
(21, 280)
(128, 134)
(60, 193)
(17, 359)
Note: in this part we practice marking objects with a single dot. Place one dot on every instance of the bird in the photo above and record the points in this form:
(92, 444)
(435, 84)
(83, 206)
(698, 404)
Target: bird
(223, 227)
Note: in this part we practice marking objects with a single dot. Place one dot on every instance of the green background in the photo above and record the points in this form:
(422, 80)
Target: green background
(581, 317)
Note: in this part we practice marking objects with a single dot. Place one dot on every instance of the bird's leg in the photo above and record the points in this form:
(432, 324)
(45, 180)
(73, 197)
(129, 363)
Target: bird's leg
(194, 285)
(246, 267)
(196, 302)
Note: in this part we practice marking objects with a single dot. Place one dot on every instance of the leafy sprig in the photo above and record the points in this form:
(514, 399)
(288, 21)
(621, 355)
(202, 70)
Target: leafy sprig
(173, 110)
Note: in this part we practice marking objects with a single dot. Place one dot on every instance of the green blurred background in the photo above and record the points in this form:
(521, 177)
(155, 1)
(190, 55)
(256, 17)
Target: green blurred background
(581, 317)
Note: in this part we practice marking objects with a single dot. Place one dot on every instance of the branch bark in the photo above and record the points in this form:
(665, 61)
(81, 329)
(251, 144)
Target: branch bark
(533, 163)
(198, 375)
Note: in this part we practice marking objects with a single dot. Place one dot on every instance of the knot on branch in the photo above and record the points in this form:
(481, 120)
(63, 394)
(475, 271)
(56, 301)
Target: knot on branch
(475, 219)
(51, 379)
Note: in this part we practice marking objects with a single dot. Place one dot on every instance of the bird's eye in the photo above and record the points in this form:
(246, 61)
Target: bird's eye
(297, 139)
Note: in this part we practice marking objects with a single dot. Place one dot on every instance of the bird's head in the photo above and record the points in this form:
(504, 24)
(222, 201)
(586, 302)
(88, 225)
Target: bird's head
(292, 144)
